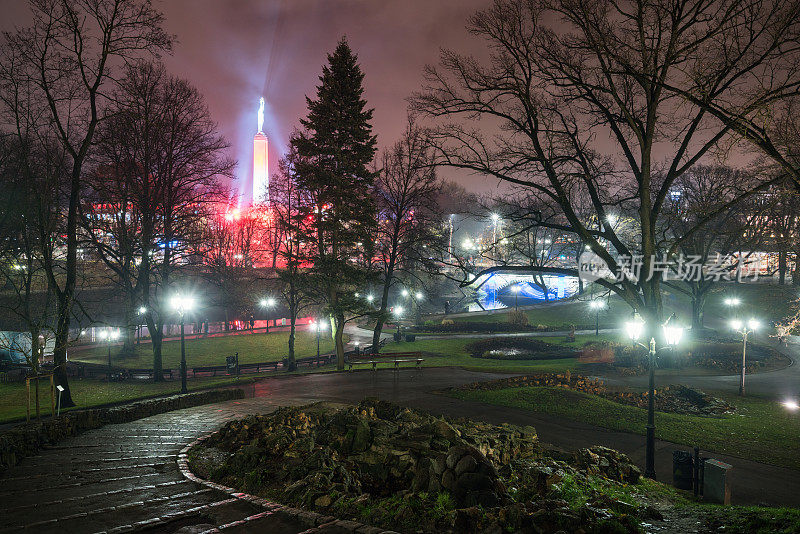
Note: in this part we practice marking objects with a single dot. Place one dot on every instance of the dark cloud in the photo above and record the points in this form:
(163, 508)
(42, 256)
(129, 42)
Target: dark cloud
(236, 50)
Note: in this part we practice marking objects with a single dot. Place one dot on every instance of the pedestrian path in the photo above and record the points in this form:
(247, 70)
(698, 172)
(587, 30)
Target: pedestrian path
(124, 478)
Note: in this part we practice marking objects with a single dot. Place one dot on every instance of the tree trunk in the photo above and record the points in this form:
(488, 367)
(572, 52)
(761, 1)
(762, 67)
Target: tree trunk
(290, 363)
(376, 332)
(698, 311)
(782, 267)
(796, 270)
(60, 353)
(338, 341)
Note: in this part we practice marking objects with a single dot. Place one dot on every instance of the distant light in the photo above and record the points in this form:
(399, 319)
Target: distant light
(358, 295)
(733, 301)
(752, 324)
(495, 217)
(516, 289)
(790, 404)
(60, 388)
(736, 324)
(418, 295)
(142, 310)
(398, 310)
(597, 304)
(83, 332)
(404, 292)
(267, 302)
(370, 298)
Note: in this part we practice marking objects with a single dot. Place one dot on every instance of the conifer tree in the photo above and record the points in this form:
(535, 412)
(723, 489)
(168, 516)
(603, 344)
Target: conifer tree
(334, 150)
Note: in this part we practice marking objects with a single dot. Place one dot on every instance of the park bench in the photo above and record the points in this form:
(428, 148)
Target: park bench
(209, 369)
(258, 366)
(388, 357)
(148, 373)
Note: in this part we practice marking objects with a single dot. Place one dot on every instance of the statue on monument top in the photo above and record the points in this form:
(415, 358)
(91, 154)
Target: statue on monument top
(261, 115)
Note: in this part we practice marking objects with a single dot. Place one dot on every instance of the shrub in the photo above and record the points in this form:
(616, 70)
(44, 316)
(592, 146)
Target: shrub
(524, 349)
(447, 322)
(517, 318)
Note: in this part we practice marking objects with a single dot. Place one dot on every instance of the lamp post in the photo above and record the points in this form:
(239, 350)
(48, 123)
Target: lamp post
(267, 303)
(597, 305)
(109, 335)
(398, 313)
(516, 289)
(319, 326)
(672, 335)
(182, 304)
(744, 329)
(142, 310)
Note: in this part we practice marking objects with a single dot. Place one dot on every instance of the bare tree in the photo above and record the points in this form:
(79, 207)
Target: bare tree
(234, 241)
(564, 75)
(406, 192)
(288, 220)
(162, 135)
(726, 243)
(68, 59)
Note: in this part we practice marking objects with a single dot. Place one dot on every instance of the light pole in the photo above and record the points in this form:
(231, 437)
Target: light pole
(516, 289)
(495, 222)
(744, 329)
(319, 325)
(267, 303)
(182, 304)
(109, 335)
(398, 313)
(672, 335)
(142, 310)
(597, 305)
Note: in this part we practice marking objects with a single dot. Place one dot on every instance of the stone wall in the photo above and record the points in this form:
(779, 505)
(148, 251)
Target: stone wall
(26, 439)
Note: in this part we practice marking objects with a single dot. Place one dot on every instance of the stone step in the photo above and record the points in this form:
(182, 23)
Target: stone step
(24, 472)
(264, 521)
(102, 515)
(73, 497)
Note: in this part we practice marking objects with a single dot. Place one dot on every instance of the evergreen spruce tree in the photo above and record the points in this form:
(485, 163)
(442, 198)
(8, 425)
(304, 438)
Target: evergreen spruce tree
(333, 153)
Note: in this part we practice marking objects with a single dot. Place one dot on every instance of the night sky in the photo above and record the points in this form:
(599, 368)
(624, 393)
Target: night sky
(235, 51)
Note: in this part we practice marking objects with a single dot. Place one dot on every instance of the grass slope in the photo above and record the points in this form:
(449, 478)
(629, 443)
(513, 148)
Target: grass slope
(762, 430)
(213, 350)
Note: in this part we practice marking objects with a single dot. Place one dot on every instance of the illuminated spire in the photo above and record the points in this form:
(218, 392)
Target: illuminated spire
(261, 115)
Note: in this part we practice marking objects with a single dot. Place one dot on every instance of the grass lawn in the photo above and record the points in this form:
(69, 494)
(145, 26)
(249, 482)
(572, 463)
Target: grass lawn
(213, 350)
(575, 311)
(761, 430)
(446, 352)
(87, 393)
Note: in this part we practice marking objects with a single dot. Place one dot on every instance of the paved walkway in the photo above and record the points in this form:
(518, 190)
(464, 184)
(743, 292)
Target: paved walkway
(124, 478)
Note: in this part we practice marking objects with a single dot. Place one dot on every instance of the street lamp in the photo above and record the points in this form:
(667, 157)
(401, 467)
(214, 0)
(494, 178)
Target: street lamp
(744, 329)
(516, 289)
(110, 335)
(142, 310)
(398, 313)
(319, 326)
(732, 302)
(672, 336)
(267, 303)
(597, 305)
(182, 304)
(404, 292)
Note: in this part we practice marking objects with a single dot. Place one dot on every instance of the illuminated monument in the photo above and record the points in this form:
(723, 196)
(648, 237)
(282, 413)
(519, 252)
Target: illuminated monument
(260, 162)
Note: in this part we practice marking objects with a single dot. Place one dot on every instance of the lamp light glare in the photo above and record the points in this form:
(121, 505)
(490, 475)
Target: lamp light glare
(736, 324)
(673, 334)
(790, 404)
(634, 329)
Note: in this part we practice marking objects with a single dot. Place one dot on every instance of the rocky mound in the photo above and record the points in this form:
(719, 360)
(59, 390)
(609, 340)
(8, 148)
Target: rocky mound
(672, 398)
(401, 469)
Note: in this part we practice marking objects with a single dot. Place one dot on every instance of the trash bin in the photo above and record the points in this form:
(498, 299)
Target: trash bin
(411, 337)
(682, 470)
